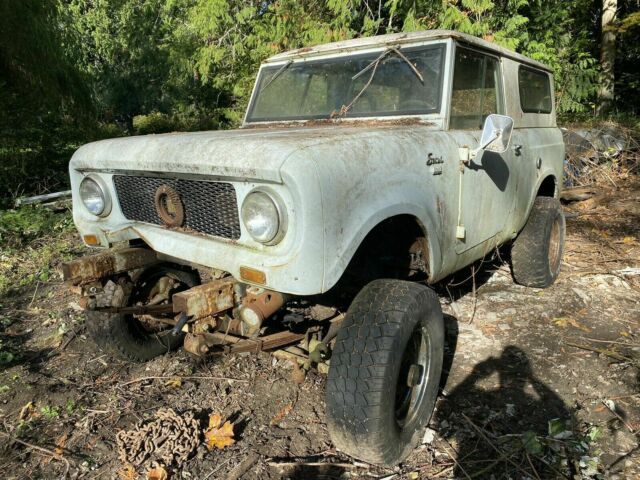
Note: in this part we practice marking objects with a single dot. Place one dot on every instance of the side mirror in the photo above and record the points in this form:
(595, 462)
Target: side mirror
(496, 134)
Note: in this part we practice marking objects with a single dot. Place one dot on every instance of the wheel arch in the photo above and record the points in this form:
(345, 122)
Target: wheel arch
(405, 220)
(548, 187)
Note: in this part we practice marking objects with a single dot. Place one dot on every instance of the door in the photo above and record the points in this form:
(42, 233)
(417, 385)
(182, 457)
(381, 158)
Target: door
(488, 181)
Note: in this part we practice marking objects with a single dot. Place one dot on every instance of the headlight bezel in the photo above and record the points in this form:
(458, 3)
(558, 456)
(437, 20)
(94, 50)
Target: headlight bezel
(281, 212)
(106, 197)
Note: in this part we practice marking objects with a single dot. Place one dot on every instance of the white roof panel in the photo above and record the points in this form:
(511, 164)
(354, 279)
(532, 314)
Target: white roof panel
(400, 39)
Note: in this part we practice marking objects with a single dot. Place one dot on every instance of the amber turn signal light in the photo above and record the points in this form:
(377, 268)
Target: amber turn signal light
(91, 240)
(252, 275)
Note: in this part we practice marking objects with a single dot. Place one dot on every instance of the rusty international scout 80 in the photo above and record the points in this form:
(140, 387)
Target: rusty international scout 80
(385, 163)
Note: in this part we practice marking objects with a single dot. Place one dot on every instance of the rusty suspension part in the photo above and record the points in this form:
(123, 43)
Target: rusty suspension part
(257, 306)
(226, 344)
(204, 300)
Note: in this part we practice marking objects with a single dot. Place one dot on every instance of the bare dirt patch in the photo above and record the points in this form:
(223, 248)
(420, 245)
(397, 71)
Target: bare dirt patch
(534, 378)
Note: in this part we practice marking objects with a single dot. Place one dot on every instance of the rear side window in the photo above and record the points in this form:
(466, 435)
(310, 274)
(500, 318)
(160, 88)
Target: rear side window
(535, 91)
(476, 89)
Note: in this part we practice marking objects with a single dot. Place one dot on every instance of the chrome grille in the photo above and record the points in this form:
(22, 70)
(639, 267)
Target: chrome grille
(209, 207)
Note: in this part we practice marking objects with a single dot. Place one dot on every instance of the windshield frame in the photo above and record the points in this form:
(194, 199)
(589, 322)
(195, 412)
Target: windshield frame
(431, 114)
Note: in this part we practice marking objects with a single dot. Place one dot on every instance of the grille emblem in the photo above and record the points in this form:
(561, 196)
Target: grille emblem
(169, 206)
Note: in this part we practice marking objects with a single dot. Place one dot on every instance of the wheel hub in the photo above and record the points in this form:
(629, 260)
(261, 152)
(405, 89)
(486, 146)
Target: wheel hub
(411, 386)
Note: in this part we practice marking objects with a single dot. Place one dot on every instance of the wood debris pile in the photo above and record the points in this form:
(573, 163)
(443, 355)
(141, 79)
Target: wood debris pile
(600, 155)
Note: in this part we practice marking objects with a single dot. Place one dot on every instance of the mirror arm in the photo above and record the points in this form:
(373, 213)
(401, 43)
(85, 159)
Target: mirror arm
(493, 138)
(496, 135)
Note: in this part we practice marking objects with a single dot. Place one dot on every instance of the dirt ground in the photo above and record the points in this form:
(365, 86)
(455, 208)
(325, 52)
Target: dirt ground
(538, 383)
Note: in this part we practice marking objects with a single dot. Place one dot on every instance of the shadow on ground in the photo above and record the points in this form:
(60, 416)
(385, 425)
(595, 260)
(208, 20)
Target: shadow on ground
(490, 423)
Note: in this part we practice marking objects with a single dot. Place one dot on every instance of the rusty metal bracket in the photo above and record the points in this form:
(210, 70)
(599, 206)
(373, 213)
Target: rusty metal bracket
(204, 300)
(89, 269)
(138, 310)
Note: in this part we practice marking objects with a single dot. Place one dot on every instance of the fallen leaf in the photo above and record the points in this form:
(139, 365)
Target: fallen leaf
(59, 450)
(157, 473)
(531, 443)
(297, 373)
(27, 412)
(488, 329)
(218, 436)
(281, 414)
(60, 443)
(174, 383)
(128, 473)
(91, 443)
(628, 240)
(566, 321)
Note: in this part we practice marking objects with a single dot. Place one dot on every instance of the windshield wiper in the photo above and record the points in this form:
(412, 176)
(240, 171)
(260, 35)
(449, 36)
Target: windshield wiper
(276, 75)
(374, 64)
(408, 62)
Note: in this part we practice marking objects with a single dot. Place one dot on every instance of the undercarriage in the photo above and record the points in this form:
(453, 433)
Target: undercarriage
(216, 316)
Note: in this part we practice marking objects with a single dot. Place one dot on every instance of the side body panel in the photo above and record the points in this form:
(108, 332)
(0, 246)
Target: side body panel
(386, 173)
(541, 146)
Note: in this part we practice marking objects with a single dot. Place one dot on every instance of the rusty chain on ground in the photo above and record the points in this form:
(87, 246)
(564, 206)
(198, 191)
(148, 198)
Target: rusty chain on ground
(169, 439)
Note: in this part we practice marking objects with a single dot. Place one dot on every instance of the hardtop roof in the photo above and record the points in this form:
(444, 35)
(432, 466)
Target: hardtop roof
(400, 39)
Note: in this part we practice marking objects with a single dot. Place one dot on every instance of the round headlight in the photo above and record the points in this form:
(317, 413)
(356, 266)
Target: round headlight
(94, 197)
(262, 217)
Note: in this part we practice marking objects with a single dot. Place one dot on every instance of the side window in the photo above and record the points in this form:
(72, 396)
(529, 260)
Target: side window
(476, 89)
(535, 91)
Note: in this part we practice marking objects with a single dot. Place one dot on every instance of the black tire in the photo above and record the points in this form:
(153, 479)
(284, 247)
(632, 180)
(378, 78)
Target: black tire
(123, 335)
(536, 254)
(367, 384)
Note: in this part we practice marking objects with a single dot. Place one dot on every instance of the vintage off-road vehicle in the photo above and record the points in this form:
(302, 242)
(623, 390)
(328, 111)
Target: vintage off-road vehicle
(384, 163)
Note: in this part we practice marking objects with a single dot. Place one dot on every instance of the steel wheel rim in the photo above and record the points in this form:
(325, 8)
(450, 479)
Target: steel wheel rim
(408, 398)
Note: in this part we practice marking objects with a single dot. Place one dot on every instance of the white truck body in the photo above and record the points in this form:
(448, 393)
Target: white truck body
(337, 178)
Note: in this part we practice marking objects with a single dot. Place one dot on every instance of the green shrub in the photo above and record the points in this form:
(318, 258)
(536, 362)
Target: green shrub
(110, 130)
(25, 224)
(153, 123)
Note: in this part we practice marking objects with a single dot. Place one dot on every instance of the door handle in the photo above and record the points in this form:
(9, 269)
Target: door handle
(517, 149)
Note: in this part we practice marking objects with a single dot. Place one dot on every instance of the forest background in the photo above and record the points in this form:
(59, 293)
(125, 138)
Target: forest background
(73, 71)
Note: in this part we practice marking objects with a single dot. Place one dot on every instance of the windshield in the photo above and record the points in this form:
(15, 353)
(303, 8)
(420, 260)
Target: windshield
(345, 87)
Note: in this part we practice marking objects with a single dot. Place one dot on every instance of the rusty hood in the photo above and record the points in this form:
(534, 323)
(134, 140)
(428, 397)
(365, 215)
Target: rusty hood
(248, 153)
(242, 154)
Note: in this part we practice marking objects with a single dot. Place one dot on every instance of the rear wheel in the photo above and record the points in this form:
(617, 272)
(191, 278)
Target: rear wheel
(385, 371)
(142, 337)
(536, 253)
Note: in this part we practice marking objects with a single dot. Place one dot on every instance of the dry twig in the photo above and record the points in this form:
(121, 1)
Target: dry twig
(491, 444)
(622, 420)
(41, 450)
(190, 377)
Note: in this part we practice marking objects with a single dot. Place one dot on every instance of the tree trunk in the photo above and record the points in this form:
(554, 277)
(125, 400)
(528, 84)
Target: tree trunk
(607, 56)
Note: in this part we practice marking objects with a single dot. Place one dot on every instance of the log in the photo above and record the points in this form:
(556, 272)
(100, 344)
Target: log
(42, 198)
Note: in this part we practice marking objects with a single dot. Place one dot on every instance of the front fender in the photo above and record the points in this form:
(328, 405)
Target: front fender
(376, 174)
(339, 254)
(362, 190)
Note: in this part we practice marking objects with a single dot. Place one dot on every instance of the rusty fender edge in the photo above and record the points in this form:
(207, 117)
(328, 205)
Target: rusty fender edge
(94, 267)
